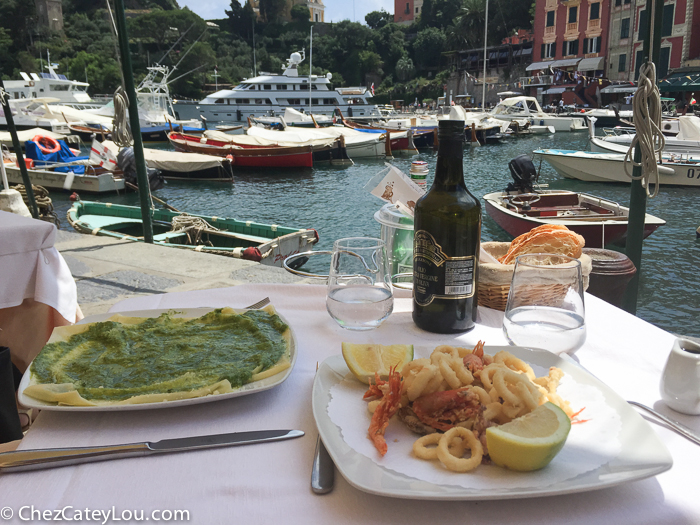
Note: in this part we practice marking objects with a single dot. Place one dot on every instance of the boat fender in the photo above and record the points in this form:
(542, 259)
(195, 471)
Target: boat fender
(231, 158)
(663, 170)
(252, 254)
(203, 140)
(315, 235)
(47, 145)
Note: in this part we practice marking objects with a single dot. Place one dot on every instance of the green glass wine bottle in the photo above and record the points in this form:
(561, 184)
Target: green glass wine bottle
(446, 243)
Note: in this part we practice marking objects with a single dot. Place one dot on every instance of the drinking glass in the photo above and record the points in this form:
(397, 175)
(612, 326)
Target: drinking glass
(359, 283)
(545, 304)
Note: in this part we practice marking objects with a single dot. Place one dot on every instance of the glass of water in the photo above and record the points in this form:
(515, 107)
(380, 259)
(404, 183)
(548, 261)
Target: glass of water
(359, 283)
(545, 304)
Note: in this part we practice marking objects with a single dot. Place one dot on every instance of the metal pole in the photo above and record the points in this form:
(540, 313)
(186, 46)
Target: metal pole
(311, 62)
(486, 29)
(255, 62)
(5, 99)
(638, 194)
(130, 91)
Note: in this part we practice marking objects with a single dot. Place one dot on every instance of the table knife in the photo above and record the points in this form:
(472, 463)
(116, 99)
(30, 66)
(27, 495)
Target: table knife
(61, 457)
(323, 470)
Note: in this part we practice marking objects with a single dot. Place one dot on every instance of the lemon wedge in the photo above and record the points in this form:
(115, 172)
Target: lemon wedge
(531, 441)
(364, 360)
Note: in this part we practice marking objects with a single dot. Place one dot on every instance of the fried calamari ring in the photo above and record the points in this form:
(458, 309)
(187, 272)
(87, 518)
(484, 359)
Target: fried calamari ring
(514, 363)
(459, 464)
(417, 383)
(454, 373)
(421, 450)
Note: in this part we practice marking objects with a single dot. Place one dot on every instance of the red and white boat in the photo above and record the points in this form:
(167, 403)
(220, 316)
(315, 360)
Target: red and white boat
(599, 221)
(245, 155)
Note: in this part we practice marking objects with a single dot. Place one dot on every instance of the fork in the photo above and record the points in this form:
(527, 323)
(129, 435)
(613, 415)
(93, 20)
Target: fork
(259, 304)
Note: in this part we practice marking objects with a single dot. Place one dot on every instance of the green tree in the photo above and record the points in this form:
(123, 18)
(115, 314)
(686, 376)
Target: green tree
(241, 19)
(428, 47)
(405, 69)
(301, 13)
(468, 29)
(378, 19)
(272, 10)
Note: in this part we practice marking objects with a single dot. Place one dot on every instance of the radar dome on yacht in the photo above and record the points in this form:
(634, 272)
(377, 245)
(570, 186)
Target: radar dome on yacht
(295, 58)
(329, 76)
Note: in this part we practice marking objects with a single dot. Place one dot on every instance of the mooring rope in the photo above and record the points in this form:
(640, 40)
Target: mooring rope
(194, 227)
(43, 202)
(121, 131)
(648, 137)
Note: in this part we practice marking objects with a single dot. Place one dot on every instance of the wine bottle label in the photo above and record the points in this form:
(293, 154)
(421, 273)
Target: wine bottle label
(436, 275)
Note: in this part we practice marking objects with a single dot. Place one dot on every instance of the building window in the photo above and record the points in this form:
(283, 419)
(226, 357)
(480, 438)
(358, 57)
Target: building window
(642, 24)
(550, 18)
(548, 50)
(573, 14)
(664, 56)
(638, 63)
(667, 20)
(316, 15)
(408, 8)
(592, 45)
(627, 2)
(595, 11)
(622, 64)
(625, 28)
(618, 3)
(570, 48)
(267, 86)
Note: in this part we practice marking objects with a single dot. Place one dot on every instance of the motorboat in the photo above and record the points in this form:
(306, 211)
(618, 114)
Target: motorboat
(518, 108)
(174, 165)
(268, 244)
(609, 167)
(44, 113)
(686, 142)
(273, 92)
(523, 206)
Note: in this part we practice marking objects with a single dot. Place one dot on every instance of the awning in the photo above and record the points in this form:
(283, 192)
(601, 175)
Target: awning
(680, 82)
(591, 64)
(567, 62)
(539, 65)
(554, 91)
(527, 51)
(620, 88)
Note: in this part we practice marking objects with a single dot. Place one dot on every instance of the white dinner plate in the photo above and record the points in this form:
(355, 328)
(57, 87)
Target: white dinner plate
(249, 388)
(642, 454)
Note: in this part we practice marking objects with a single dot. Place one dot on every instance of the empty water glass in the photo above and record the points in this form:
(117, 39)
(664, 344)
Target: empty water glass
(545, 304)
(359, 283)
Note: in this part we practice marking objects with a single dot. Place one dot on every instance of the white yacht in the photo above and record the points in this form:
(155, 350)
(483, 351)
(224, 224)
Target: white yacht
(269, 94)
(51, 85)
(518, 108)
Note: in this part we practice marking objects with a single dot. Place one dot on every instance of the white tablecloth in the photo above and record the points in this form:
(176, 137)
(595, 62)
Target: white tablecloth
(269, 483)
(37, 290)
(32, 268)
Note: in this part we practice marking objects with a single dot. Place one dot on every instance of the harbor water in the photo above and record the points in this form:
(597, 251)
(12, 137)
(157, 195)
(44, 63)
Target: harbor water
(332, 200)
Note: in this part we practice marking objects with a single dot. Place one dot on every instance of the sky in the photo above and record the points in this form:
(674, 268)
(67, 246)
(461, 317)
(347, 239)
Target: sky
(336, 10)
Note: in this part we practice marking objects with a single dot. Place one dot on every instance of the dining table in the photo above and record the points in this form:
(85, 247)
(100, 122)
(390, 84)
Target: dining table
(270, 482)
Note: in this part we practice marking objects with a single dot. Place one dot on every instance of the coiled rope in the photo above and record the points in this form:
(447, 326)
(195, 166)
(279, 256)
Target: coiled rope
(647, 121)
(121, 131)
(43, 202)
(194, 227)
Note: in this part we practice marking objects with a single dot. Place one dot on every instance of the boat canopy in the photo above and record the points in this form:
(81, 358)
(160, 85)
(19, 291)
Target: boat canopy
(173, 160)
(516, 104)
(689, 128)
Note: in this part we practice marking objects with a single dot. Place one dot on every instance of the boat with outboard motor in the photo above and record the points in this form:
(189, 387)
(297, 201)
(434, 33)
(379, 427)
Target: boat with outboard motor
(523, 206)
(273, 92)
(519, 108)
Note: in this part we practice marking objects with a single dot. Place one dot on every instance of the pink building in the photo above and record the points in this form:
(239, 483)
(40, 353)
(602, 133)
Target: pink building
(406, 11)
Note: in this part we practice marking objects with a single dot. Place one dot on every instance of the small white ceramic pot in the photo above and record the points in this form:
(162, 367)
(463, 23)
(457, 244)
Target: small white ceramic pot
(680, 381)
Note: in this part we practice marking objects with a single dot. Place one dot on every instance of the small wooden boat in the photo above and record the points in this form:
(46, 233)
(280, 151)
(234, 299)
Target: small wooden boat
(598, 220)
(87, 133)
(268, 244)
(245, 155)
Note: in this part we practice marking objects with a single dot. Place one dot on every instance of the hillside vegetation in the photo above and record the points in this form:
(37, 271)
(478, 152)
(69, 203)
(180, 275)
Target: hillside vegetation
(403, 61)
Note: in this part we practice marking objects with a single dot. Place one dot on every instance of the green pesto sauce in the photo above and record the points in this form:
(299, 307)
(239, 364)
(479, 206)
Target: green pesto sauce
(112, 361)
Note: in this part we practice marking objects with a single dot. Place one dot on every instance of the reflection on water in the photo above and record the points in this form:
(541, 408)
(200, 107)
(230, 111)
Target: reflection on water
(331, 199)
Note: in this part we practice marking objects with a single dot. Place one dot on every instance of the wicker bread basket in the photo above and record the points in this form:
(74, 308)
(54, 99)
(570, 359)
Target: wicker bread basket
(494, 279)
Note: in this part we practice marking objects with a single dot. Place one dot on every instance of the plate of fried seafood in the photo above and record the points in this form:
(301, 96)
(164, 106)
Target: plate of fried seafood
(384, 439)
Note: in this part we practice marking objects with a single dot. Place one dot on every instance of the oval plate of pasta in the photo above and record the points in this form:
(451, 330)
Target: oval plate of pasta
(159, 358)
(475, 388)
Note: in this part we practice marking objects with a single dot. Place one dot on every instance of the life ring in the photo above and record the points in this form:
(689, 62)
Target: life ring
(47, 145)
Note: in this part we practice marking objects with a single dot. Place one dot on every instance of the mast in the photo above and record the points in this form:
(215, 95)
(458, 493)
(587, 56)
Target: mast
(311, 61)
(486, 28)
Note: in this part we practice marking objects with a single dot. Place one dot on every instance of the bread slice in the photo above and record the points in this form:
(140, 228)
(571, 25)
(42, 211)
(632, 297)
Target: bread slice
(559, 241)
(521, 239)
